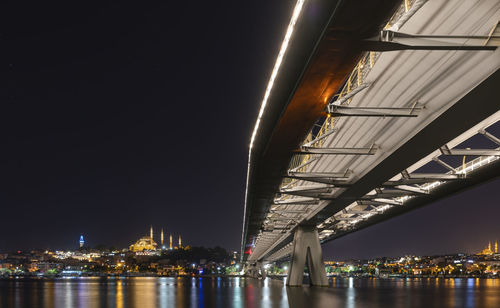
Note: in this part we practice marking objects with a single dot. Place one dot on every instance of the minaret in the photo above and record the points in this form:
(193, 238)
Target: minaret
(82, 242)
(151, 235)
(161, 238)
(489, 245)
(496, 246)
(180, 242)
(170, 241)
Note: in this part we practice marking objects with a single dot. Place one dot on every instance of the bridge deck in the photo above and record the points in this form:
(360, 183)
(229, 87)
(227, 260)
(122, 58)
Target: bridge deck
(436, 81)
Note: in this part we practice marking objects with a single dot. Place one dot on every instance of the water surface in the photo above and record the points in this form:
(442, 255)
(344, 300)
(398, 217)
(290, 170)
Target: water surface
(146, 292)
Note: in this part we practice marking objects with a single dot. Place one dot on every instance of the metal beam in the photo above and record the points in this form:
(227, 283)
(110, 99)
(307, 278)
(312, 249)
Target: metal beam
(307, 192)
(391, 40)
(353, 92)
(442, 163)
(490, 136)
(290, 184)
(353, 211)
(282, 218)
(329, 175)
(412, 189)
(301, 201)
(303, 188)
(347, 111)
(390, 35)
(281, 212)
(404, 181)
(337, 219)
(328, 133)
(469, 152)
(377, 201)
(436, 176)
(303, 164)
(270, 230)
(312, 194)
(389, 194)
(339, 151)
(331, 181)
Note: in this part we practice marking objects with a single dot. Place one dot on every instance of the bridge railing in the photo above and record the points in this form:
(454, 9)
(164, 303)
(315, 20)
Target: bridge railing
(324, 125)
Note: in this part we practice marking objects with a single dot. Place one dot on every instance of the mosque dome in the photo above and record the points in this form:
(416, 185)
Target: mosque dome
(144, 243)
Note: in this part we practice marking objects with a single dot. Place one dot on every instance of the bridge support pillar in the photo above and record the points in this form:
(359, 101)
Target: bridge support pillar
(260, 266)
(307, 248)
(253, 270)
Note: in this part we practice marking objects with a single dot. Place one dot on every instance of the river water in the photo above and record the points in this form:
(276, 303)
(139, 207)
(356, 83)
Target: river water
(146, 292)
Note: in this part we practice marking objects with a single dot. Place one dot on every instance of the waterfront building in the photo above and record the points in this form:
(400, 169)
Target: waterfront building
(488, 251)
(144, 243)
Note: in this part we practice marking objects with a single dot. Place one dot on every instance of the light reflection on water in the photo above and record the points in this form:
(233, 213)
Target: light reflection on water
(162, 292)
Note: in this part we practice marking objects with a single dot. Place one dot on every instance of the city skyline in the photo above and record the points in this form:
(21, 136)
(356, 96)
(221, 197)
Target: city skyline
(342, 249)
(102, 154)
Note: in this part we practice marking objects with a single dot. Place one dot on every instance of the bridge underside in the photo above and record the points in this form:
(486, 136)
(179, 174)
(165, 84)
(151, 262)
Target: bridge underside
(323, 50)
(395, 137)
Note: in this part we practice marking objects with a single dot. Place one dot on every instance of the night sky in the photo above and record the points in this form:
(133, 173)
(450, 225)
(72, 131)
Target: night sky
(119, 116)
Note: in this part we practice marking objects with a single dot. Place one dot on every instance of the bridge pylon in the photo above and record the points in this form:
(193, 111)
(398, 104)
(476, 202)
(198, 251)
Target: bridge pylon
(255, 270)
(307, 248)
(262, 270)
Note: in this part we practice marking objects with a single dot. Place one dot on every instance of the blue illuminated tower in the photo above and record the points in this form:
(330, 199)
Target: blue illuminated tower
(82, 242)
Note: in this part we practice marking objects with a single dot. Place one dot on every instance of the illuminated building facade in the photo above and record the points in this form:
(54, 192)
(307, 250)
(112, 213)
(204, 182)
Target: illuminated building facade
(148, 243)
(488, 250)
(144, 243)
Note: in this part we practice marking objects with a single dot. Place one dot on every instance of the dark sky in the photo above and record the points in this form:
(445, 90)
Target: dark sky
(119, 116)
(123, 115)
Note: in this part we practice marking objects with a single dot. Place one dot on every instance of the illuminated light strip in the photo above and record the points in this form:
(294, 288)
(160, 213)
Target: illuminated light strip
(284, 46)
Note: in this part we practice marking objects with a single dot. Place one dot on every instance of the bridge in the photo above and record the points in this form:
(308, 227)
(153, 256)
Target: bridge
(373, 109)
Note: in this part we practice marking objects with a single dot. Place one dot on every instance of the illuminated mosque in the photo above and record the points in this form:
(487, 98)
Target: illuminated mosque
(488, 250)
(148, 243)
